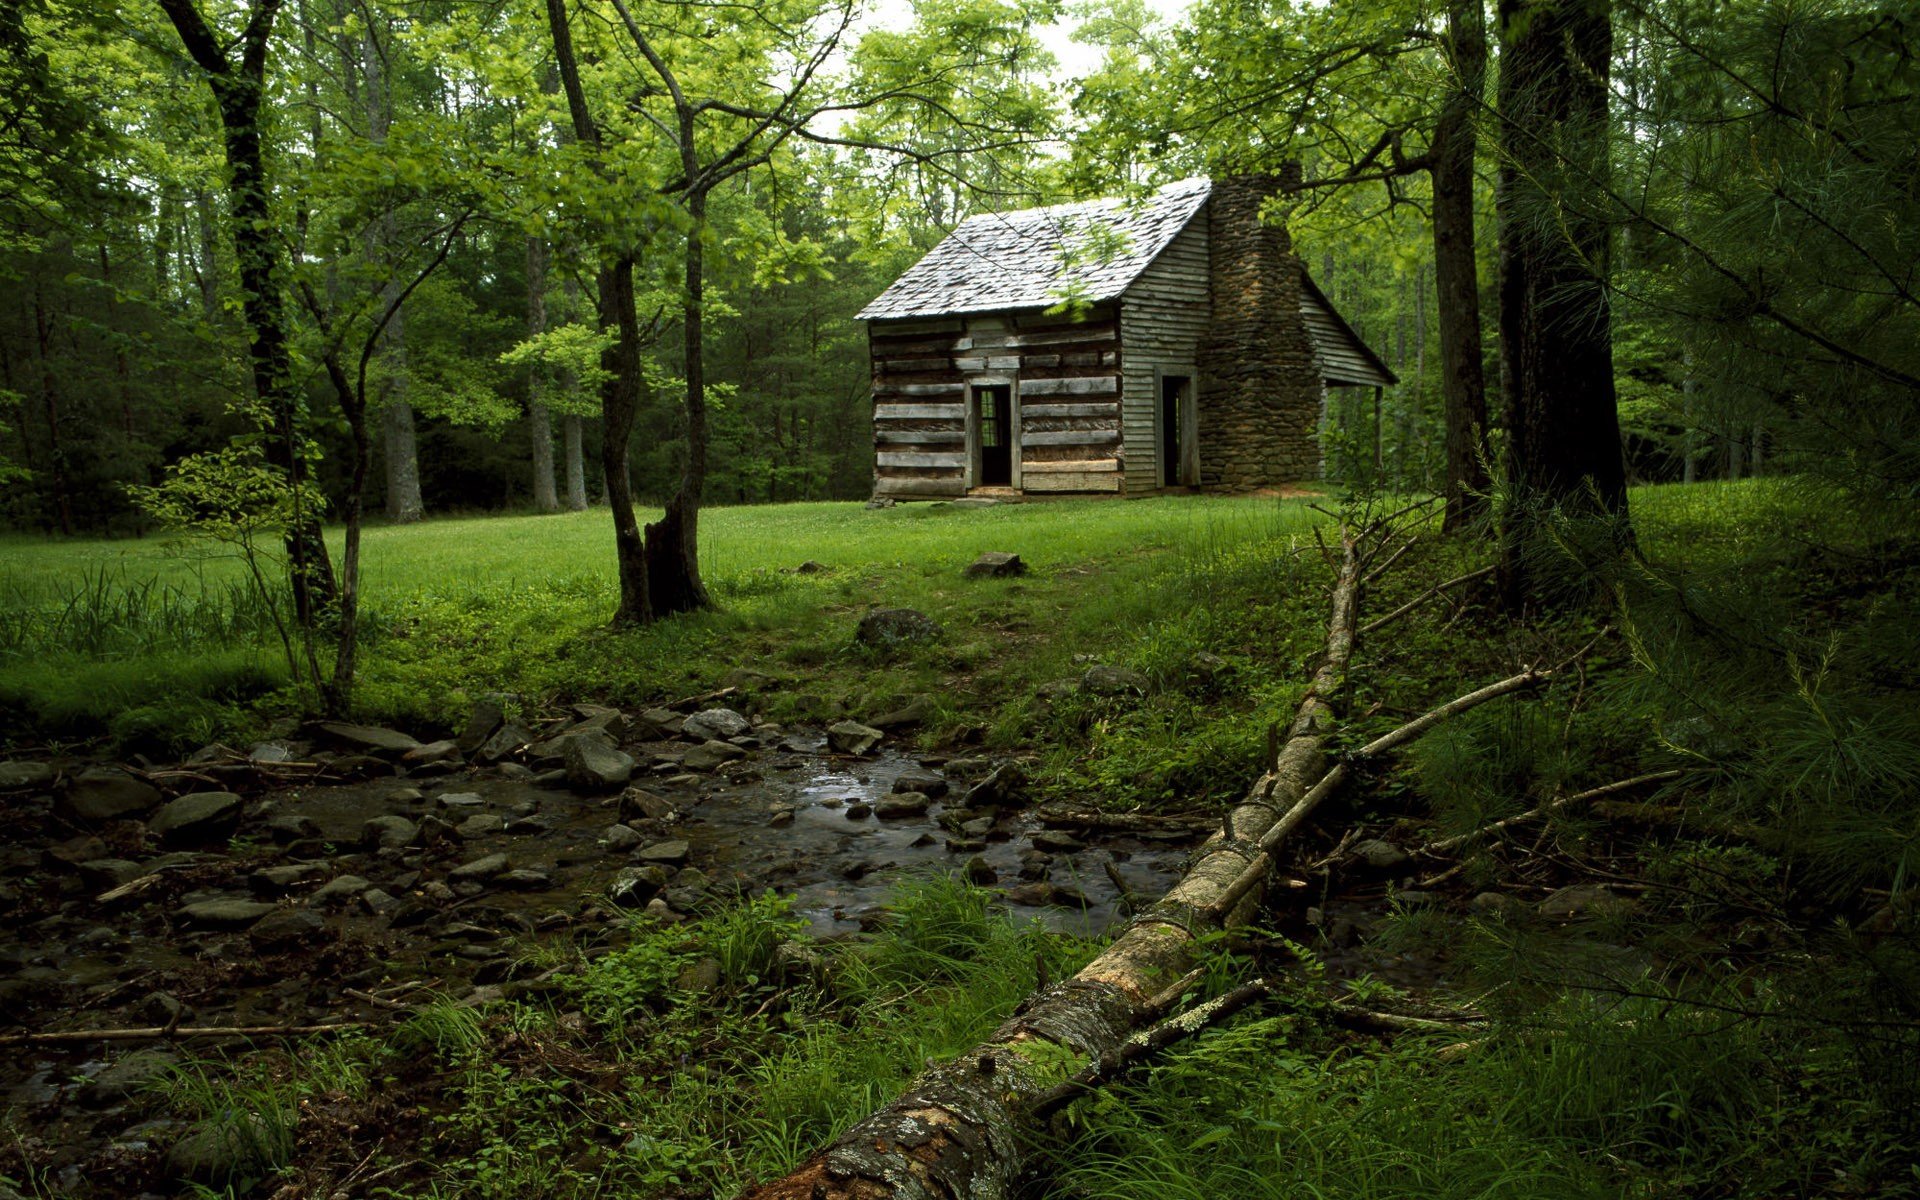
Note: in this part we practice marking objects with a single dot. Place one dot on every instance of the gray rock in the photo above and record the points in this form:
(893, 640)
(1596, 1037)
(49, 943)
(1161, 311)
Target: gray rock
(1005, 784)
(224, 914)
(369, 737)
(1496, 904)
(106, 794)
(105, 873)
(701, 976)
(1584, 900)
(1377, 855)
(921, 781)
(901, 804)
(127, 1077)
(781, 816)
(388, 832)
(715, 724)
(658, 723)
(1203, 669)
(638, 802)
(859, 810)
(74, 851)
(524, 879)
(621, 838)
(810, 567)
(915, 711)
(447, 751)
(270, 752)
(1113, 681)
(480, 825)
(485, 717)
(479, 870)
(1032, 894)
(636, 885)
(277, 881)
(197, 819)
(288, 827)
(462, 800)
(504, 741)
(978, 872)
(885, 628)
(851, 737)
(882, 502)
(1054, 841)
(995, 565)
(710, 756)
(594, 764)
(340, 889)
(21, 776)
(671, 853)
(230, 1149)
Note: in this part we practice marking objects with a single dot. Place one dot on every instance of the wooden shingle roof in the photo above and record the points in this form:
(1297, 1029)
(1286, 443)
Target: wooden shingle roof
(1033, 259)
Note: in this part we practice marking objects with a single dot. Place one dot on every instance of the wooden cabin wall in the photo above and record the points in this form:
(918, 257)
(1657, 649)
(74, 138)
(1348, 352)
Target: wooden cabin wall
(1162, 319)
(1066, 395)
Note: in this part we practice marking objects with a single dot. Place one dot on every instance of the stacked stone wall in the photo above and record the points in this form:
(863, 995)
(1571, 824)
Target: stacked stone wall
(1260, 385)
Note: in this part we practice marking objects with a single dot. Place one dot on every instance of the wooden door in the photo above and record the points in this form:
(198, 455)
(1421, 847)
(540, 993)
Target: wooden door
(993, 433)
(1178, 455)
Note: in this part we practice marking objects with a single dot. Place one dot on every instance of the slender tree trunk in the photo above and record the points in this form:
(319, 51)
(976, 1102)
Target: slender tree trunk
(1563, 433)
(673, 556)
(539, 422)
(239, 92)
(206, 270)
(1463, 385)
(50, 409)
(621, 360)
(573, 437)
(399, 449)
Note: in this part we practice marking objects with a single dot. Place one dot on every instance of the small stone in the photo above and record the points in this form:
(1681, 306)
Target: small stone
(224, 914)
(485, 717)
(1055, 842)
(276, 881)
(658, 723)
(1032, 894)
(286, 929)
(480, 825)
(1378, 855)
(504, 741)
(780, 817)
(447, 751)
(851, 737)
(593, 764)
(525, 879)
(966, 845)
(369, 737)
(636, 884)
(291, 828)
(1113, 681)
(1004, 785)
(462, 800)
(25, 776)
(74, 851)
(1584, 900)
(901, 804)
(638, 802)
(479, 870)
(127, 1077)
(859, 810)
(810, 567)
(1496, 904)
(270, 752)
(885, 628)
(1413, 898)
(388, 832)
(104, 873)
(197, 819)
(978, 872)
(711, 755)
(404, 796)
(995, 565)
(379, 901)
(715, 724)
(106, 794)
(341, 889)
(921, 781)
(621, 838)
(702, 976)
(671, 853)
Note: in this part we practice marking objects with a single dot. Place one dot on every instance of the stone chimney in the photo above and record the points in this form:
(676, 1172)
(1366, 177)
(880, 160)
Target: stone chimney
(1260, 388)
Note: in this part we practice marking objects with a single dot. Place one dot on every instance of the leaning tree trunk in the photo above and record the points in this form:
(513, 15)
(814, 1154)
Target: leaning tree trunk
(539, 420)
(673, 542)
(1456, 269)
(1563, 431)
(961, 1129)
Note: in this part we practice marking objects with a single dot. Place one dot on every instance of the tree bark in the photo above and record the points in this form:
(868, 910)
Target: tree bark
(399, 448)
(619, 396)
(1456, 269)
(239, 92)
(1563, 432)
(961, 1128)
(539, 421)
(673, 545)
(572, 444)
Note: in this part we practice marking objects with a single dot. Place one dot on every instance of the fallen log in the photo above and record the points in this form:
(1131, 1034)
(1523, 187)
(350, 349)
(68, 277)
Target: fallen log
(146, 1033)
(960, 1128)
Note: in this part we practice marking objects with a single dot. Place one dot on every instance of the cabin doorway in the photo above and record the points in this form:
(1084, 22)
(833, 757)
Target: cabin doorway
(993, 435)
(1176, 430)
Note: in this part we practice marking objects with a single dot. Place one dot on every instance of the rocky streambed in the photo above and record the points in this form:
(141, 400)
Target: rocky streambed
(343, 871)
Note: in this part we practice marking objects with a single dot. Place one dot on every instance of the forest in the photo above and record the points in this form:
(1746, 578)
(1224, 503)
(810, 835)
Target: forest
(466, 730)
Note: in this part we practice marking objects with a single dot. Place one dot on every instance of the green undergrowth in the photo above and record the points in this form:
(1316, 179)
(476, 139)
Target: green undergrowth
(692, 1059)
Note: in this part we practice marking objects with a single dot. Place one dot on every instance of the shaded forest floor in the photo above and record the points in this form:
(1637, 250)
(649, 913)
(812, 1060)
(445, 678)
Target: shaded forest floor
(1703, 989)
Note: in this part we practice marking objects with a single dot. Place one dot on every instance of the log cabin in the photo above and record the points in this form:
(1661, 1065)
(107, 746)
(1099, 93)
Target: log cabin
(1109, 347)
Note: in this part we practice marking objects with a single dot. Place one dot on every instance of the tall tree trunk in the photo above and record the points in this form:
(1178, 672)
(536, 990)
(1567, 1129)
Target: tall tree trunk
(619, 395)
(1563, 432)
(1463, 384)
(572, 445)
(240, 92)
(539, 421)
(399, 450)
(206, 271)
(673, 542)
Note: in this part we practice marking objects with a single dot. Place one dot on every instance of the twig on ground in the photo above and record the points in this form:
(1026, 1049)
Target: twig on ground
(1448, 845)
(56, 1036)
(1423, 597)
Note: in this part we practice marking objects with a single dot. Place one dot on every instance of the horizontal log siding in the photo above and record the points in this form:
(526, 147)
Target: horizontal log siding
(1162, 318)
(1342, 361)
